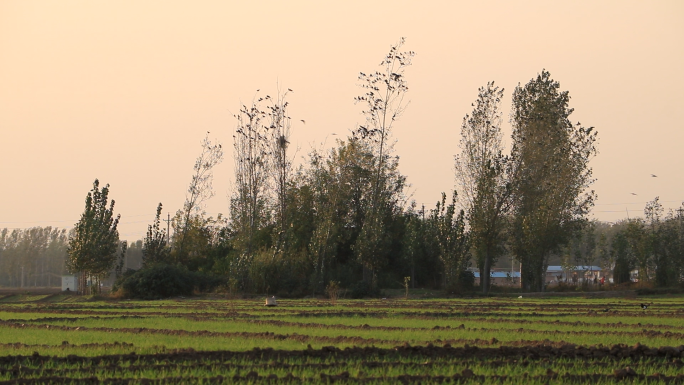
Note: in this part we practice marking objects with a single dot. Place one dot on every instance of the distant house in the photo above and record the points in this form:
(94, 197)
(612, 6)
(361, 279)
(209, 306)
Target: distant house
(575, 274)
(500, 278)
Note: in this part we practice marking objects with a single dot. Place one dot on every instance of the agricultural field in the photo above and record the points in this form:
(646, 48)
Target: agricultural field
(64, 339)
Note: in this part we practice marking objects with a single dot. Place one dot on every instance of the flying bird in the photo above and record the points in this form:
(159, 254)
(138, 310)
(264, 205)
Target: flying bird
(654, 176)
(633, 193)
(303, 121)
(334, 133)
(290, 89)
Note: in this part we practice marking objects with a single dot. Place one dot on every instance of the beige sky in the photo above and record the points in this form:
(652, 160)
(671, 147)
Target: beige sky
(124, 91)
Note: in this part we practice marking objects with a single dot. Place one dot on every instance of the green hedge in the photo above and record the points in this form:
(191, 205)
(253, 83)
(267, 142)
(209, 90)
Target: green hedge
(163, 281)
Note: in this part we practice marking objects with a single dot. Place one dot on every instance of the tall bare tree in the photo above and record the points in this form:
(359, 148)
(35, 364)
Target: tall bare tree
(281, 162)
(199, 191)
(249, 202)
(383, 102)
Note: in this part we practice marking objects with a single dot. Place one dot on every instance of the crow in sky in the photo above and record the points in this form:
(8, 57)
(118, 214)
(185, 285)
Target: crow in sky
(654, 176)
(633, 193)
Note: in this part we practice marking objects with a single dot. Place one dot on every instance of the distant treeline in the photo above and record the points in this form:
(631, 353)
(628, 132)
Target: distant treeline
(32, 257)
(651, 248)
(36, 257)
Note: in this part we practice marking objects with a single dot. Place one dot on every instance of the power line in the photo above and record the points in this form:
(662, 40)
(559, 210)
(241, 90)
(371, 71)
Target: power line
(637, 203)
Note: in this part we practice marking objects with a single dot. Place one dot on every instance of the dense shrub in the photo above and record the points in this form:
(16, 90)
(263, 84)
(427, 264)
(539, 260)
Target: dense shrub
(363, 289)
(285, 276)
(466, 280)
(464, 284)
(161, 281)
(659, 291)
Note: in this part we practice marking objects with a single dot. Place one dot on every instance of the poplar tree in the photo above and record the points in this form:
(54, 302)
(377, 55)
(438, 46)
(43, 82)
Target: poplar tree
(480, 173)
(155, 249)
(550, 174)
(93, 244)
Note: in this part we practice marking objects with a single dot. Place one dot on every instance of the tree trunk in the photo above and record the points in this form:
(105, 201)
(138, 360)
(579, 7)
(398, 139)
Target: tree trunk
(367, 275)
(485, 273)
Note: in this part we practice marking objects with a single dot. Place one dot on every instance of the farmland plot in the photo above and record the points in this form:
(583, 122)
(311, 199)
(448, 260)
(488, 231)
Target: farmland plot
(501, 340)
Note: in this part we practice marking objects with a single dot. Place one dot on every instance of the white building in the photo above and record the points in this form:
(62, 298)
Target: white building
(70, 283)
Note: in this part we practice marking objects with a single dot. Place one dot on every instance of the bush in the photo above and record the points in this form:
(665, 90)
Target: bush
(363, 289)
(659, 291)
(162, 281)
(283, 275)
(466, 280)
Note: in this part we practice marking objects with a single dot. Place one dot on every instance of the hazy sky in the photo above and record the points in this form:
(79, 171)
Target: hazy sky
(124, 91)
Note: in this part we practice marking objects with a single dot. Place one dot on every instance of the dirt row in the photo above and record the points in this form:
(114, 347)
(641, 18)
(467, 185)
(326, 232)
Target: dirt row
(513, 304)
(354, 339)
(344, 377)
(19, 371)
(469, 314)
(675, 313)
(250, 318)
(205, 333)
(529, 352)
(616, 325)
(66, 344)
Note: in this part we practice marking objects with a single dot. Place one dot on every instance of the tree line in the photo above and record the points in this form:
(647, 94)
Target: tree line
(32, 257)
(344, 218)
